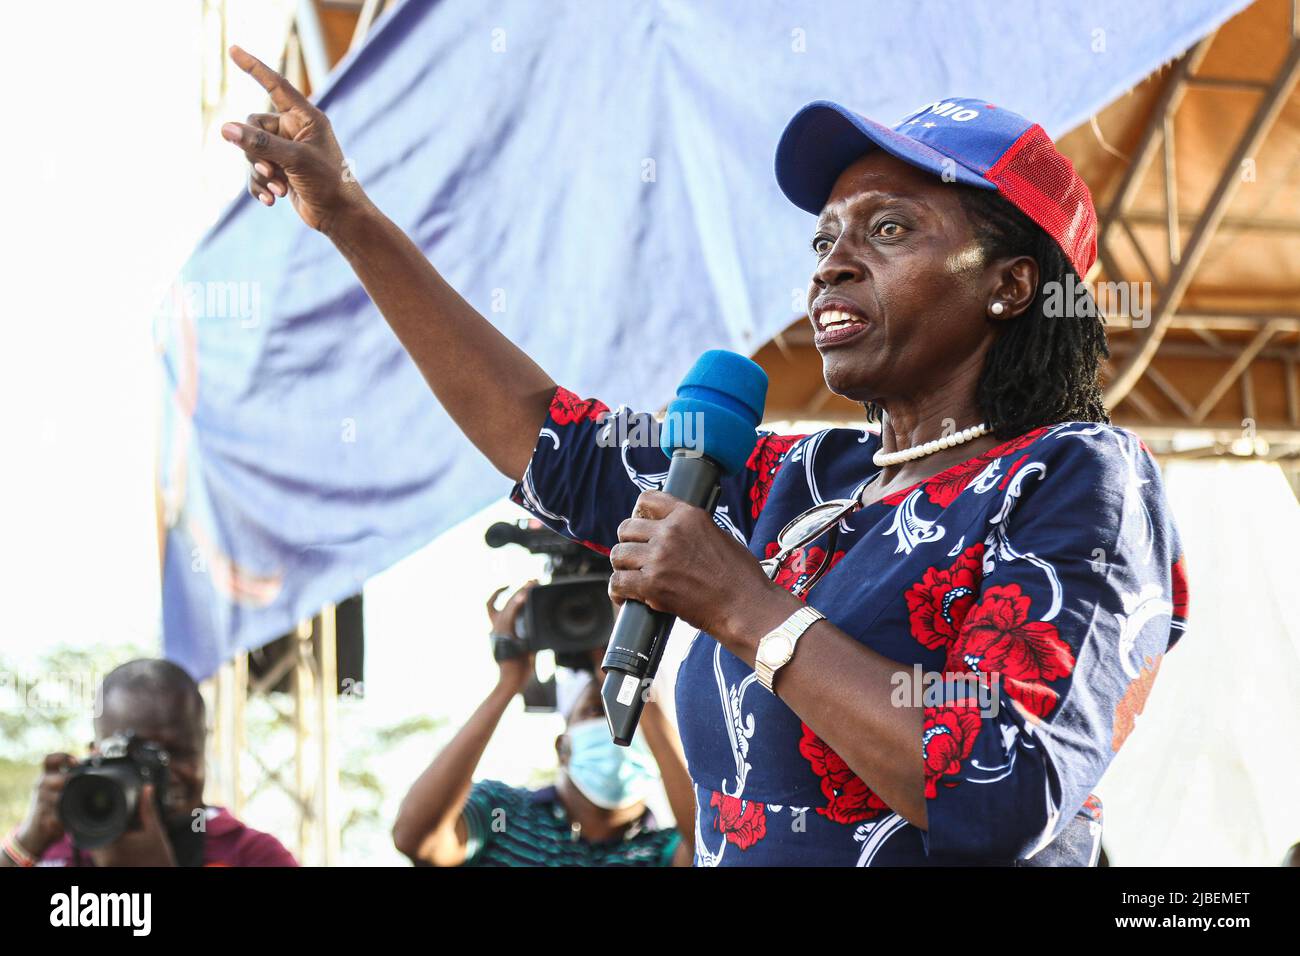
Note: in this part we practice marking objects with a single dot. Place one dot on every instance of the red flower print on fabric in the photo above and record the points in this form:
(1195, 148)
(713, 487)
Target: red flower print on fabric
(743, 822)
(1011, 472)
(1092, 807)
(567, 408)
(998, 637)
(849, 800)
(766, 459)
(943, 488)
(799, 564)
(946, 740)
(1035, 700)
(939, 602)
(1178, 576)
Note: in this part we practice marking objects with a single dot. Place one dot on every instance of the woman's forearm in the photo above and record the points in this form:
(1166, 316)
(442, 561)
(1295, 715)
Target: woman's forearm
(436, 799)
(844, 691)
(495, 393)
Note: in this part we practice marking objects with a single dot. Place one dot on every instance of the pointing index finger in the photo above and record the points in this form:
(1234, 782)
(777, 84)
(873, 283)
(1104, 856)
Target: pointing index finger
(283, 94)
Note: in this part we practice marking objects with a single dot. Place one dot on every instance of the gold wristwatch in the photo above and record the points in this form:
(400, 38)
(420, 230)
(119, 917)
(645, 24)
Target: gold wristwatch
(777, 646)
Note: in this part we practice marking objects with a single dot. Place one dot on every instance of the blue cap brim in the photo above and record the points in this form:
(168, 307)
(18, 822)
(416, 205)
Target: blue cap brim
(824, 138)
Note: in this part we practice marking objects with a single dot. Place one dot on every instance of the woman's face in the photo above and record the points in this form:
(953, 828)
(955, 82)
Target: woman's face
(896, 252)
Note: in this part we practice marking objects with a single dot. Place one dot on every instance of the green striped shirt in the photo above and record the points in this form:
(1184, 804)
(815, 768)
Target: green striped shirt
(512, 826)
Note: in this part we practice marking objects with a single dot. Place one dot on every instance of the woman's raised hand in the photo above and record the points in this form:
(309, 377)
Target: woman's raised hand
(490, 388)
(293, 153)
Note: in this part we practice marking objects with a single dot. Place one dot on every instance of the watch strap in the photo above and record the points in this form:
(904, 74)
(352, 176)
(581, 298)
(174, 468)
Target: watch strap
(789, 630)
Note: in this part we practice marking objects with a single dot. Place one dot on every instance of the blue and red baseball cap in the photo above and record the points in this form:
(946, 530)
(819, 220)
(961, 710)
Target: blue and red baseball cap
(967, 141)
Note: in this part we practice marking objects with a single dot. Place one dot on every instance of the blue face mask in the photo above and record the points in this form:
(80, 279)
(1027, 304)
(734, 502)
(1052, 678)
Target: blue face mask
(608, 775)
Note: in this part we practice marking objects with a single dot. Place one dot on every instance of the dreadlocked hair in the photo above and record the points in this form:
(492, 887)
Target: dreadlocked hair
(1042, 368)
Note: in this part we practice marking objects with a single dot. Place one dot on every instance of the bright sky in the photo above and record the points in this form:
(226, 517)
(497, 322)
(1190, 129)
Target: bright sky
(110, 183)
(112, 180)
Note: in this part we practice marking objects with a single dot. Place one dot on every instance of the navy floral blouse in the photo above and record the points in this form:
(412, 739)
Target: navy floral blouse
(1044, 577)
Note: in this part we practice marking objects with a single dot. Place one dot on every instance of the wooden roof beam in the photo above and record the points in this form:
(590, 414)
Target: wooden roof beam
(1180, 278)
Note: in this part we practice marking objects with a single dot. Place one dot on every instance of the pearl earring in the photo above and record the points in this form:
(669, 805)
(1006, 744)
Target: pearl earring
(997, 308)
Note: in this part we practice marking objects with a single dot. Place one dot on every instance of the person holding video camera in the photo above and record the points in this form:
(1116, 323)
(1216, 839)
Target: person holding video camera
(595, 815)
(137, 800)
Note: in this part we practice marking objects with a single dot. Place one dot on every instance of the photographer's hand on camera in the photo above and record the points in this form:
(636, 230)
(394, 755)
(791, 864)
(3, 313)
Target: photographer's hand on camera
(148, 845)
(41, 828)
(516, 671)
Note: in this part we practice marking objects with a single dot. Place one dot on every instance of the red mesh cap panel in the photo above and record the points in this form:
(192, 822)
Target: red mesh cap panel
(1042, 183)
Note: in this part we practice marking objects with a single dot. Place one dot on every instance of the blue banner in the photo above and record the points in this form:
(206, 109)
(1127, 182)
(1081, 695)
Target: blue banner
(596, 179)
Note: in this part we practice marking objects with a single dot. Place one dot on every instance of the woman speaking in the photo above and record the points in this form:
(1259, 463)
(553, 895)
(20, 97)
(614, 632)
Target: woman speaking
(919, 647)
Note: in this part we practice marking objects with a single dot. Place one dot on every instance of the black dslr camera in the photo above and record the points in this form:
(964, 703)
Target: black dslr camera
(570, 615)
(101, 796)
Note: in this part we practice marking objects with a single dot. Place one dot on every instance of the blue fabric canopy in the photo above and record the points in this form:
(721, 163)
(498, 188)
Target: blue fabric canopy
(596, 178)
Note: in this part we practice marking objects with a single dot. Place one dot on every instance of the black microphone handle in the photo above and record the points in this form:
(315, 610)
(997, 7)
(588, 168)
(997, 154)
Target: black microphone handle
(640, 634)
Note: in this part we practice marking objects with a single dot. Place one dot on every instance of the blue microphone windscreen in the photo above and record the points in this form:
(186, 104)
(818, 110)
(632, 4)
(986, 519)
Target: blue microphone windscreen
(732, 379)
(718, 407)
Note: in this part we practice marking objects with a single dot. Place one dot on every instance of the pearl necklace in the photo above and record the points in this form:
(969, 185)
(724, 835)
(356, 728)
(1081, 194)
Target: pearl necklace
(884, 459)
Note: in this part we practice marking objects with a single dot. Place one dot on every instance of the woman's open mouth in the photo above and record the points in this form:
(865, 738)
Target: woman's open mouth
(837, 326)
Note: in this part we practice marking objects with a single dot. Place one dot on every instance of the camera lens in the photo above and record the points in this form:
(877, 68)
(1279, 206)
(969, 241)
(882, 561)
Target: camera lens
(98, 804)
(578, 616)
(96, 808)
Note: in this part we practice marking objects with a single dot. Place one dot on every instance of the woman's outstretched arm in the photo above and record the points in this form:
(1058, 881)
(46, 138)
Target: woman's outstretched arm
(495, 393)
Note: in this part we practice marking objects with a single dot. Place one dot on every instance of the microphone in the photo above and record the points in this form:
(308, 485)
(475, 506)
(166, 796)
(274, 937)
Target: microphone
(708, 432)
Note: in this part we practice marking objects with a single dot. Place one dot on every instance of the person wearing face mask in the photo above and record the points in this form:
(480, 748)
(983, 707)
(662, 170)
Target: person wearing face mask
(594, 815)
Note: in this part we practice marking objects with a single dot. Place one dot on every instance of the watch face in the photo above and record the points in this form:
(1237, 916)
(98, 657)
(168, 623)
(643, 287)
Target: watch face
(776, 650)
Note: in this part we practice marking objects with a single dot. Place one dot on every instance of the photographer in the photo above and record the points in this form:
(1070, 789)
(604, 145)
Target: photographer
(156, 704)
(595, 815)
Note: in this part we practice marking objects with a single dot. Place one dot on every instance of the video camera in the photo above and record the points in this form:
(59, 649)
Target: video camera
(101, 796)
(570, 615)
